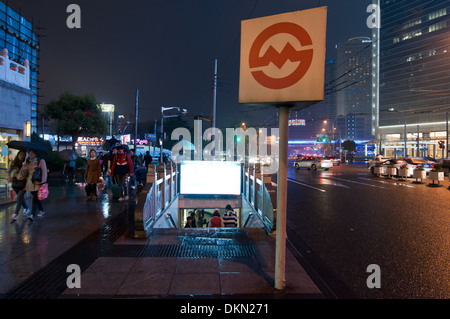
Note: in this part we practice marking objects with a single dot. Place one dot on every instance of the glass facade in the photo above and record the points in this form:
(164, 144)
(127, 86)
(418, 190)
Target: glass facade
(414, 65)
(18, 37)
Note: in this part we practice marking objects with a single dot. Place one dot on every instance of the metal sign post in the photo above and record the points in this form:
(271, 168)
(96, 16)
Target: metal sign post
(267, 43)
(280, 244)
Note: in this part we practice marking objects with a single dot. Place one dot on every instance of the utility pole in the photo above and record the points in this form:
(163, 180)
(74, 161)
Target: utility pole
(162, 136)
(136, 120)
(446, 141)
(156, 138)
(214, 104)
(418, 142)
(404, 138)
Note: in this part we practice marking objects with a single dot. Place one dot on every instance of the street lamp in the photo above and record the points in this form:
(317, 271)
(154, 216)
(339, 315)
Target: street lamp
(183, 112)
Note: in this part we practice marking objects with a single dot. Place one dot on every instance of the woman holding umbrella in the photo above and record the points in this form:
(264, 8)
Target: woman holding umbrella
(29, 168)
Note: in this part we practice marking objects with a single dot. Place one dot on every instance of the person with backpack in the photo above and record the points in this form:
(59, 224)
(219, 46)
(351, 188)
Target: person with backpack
(121, 168)
(230, 217)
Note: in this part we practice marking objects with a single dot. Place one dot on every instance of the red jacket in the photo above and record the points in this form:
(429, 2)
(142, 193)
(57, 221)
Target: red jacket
(122, 160)
(215, 221)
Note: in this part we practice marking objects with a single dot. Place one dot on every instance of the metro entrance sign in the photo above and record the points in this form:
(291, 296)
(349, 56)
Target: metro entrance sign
(283, 65)
(283, 58)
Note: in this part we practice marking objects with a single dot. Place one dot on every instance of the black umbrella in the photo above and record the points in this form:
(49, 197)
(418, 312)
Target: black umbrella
(68, 155)
(28, 146)
(113, 141)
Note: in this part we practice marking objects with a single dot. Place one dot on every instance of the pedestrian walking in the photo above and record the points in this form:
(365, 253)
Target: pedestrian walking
(215, 220)
(36, 170)
(107, 164)
(18, 182)
(230, 217)
(147, 159)
(69, 169)
(92, 174)
(134, 158)
(122, 167)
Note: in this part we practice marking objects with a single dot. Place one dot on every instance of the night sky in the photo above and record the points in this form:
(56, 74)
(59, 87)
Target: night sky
(164, 48)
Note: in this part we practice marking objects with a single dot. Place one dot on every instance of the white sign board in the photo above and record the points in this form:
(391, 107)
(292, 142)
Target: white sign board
(210, 178)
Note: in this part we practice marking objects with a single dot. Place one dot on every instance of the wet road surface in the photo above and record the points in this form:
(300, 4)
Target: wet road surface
(346, 219)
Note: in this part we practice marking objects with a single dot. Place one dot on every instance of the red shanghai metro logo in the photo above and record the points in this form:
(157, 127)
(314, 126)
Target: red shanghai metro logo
(279, 59)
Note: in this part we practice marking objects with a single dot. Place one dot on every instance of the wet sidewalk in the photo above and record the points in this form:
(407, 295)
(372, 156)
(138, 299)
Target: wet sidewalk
(170, 263)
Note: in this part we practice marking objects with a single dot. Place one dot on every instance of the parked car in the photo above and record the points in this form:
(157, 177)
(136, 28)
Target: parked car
(335, 160)
(313, 163)
(377, 159)
(430, 159)
(426, 164)
(445, 165)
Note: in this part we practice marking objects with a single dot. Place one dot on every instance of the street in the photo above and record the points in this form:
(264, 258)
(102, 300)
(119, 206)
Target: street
(345, 219)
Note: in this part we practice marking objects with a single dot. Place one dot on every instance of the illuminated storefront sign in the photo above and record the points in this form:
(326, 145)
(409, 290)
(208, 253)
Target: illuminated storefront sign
(297, 122)
(89, 141)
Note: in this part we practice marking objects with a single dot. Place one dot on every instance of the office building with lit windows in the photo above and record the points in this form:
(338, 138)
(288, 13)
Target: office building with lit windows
(411, 76)
(353, 88)
(18, 80)
(19, 50)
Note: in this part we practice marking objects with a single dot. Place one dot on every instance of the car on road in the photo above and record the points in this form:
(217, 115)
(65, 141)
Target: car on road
(313, 163)
(335, 160)
(377, 159)
(426, 164)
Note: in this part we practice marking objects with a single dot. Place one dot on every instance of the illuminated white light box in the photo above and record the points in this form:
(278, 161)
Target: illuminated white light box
(210, 178)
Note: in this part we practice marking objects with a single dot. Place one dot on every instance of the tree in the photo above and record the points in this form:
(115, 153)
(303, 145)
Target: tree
(349, 146)
(77, 116)
(170, 124)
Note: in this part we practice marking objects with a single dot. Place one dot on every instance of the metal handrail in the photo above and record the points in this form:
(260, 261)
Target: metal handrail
(258, 195)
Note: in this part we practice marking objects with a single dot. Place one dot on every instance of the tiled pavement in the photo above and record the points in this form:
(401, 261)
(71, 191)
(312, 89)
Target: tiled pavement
(172, 263)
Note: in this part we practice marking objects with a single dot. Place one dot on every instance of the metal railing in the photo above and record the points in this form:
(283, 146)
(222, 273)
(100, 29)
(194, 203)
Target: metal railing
(160, 190)
(259, 192)
(5, 187)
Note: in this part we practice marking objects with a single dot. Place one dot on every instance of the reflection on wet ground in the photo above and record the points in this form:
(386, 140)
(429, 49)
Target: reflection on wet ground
(27, 246)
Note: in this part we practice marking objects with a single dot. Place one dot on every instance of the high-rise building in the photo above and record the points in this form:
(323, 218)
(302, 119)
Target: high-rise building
(353, 85)
(315, 115)
(411, 60)
(330, 100)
